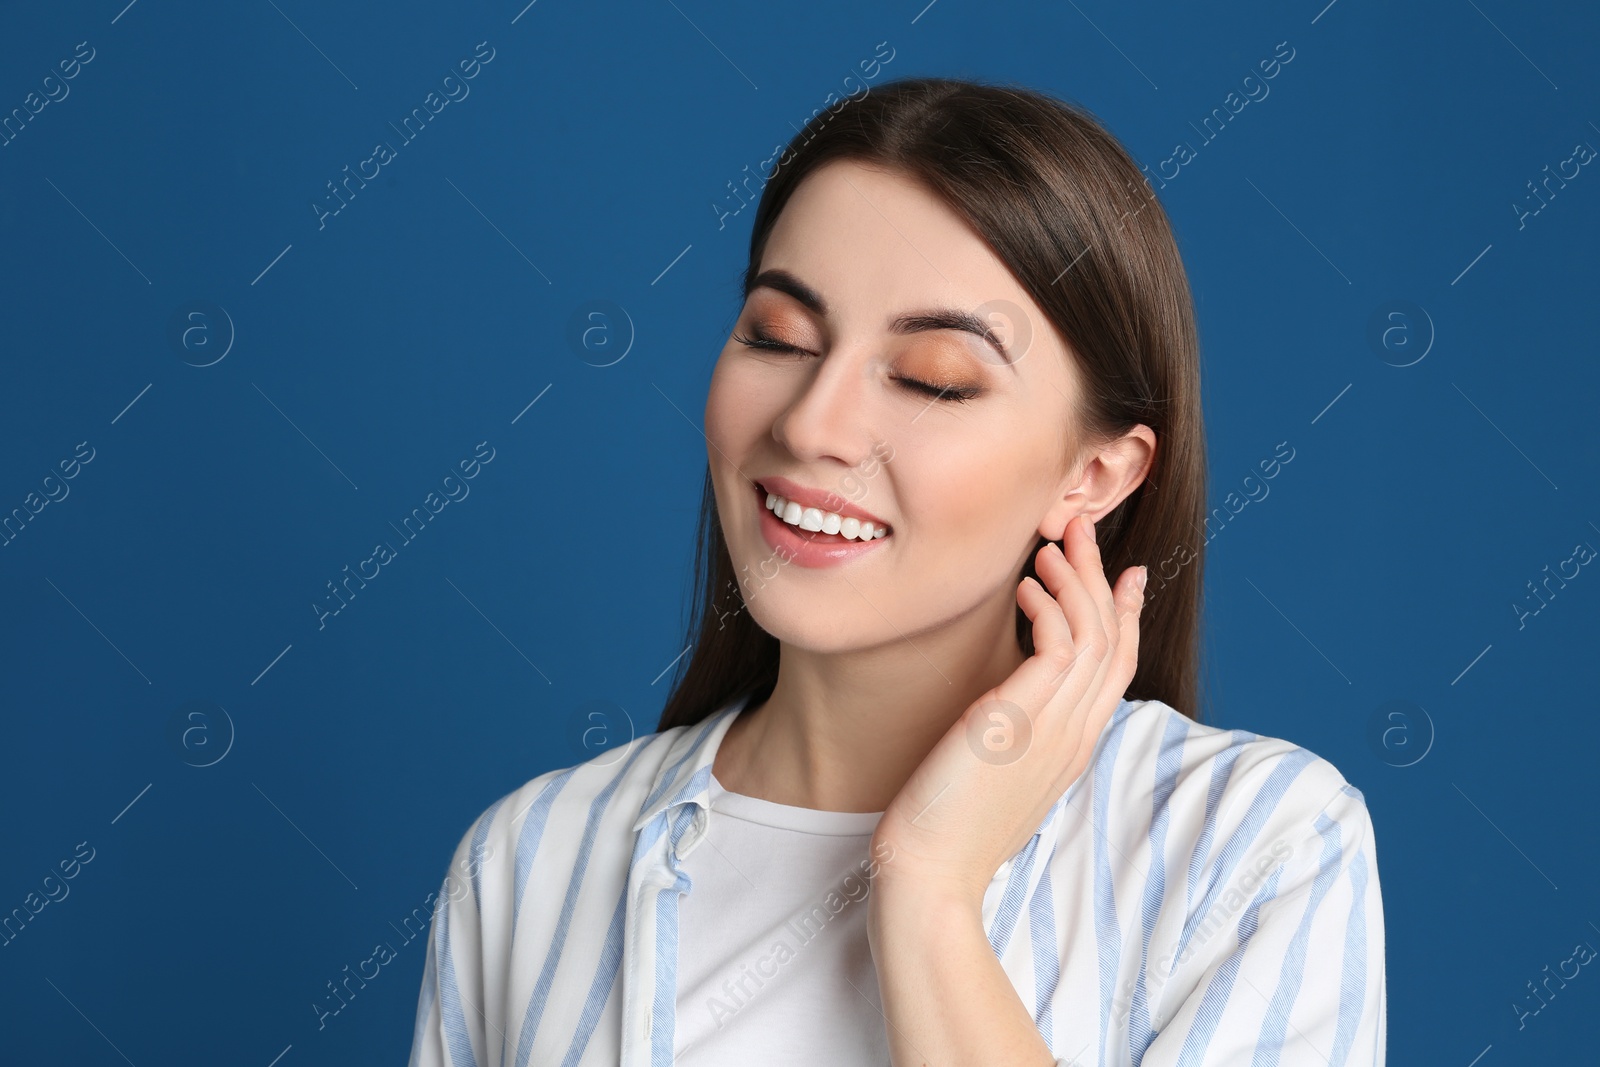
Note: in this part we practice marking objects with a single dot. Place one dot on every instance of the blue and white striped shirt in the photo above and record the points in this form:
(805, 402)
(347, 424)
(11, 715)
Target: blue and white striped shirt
(1198, 897)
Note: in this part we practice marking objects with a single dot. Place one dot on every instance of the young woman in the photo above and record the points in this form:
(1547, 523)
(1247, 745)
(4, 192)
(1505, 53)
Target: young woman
(931, 789)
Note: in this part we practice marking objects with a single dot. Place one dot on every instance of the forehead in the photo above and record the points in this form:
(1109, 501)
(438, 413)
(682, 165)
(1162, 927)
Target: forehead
(879, 231)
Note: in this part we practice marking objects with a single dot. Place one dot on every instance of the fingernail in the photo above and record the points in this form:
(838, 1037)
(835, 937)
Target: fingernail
(1090, 523)
(1139, 580)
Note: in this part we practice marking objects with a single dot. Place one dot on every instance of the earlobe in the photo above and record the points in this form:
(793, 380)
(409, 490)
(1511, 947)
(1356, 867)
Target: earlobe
(1060, 515)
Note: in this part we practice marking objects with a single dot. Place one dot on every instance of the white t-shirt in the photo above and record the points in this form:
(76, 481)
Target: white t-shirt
(773, 962)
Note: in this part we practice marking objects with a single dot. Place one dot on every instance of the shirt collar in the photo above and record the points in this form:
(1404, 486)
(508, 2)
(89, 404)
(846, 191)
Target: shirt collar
(685, 774)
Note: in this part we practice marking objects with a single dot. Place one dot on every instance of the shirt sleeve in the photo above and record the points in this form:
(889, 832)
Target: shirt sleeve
(450, 1024)
(1303, 975)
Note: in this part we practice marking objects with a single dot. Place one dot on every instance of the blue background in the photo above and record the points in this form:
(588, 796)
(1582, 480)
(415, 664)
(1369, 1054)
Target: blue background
(535, 618)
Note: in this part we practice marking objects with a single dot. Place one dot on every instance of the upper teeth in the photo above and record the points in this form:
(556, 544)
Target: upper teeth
(830, 522)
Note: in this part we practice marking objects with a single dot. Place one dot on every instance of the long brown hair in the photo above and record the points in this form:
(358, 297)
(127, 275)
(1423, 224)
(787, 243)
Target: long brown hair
(1072, 216)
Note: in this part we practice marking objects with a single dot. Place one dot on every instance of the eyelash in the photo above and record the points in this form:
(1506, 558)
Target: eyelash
(769, 344)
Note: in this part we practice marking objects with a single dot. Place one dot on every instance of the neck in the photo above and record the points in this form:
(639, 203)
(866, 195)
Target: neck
(843, 731)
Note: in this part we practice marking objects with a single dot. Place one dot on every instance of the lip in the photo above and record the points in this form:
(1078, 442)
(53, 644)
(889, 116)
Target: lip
(816, 498)
(801, 547)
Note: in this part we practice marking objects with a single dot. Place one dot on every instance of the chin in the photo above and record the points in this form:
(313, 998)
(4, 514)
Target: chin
(815, 629)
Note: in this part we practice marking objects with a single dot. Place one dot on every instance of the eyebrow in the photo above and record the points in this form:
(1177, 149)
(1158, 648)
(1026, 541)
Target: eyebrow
(937, 318)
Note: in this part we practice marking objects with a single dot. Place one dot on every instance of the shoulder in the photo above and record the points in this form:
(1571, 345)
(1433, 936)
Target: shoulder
(588, 807)
(1157, 772)
(1189, 830)
(1230, 880)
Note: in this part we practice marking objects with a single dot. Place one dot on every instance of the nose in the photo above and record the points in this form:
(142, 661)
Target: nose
(830, 415)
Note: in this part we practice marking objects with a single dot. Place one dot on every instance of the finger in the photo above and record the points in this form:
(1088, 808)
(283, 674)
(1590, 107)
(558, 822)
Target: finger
(1091, 637)
(1118, 669)
(1057, 677)
(1124, 599)
(1052, 637)
(1130, 593)
(1036, 686)
(1135, 577)
(1119, 665)
(1091, 568)
(1037, 679)
(1060, 648)
(1110, 684)
(1089, 565)
(1111, 603)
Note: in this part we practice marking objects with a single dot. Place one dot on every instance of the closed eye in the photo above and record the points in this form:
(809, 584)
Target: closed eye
(768, 344)
(958, 394)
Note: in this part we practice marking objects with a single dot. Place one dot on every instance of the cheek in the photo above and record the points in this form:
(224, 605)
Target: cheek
(722, 415)
(976, 505)
(740, 407)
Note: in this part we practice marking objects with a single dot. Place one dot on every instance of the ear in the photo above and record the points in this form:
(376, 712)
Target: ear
(1101, 480)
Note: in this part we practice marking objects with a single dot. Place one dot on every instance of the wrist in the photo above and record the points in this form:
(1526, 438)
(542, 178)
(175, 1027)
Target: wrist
(921, 902)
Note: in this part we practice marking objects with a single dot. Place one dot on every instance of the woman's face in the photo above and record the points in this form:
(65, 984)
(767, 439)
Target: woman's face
(964, 485)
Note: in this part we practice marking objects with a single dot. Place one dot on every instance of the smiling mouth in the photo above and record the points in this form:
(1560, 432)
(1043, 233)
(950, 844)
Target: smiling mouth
(815, 524)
